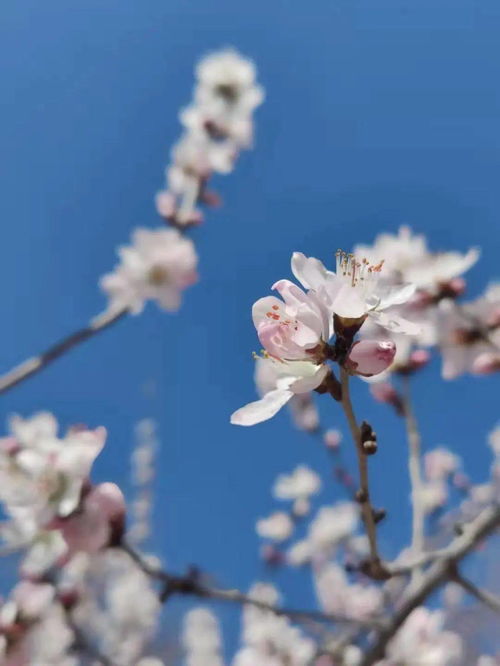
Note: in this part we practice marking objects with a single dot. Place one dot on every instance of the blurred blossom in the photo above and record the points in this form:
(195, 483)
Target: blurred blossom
(278, 527)
(494, 440)
(440, 463)
(332, 438)
(158, 265)
(337, 596)
(201, 639)
(269, 639)
(433, 496)
(43, 474)
(468, 333)
(218, 125)
(407, 259)
(422, 641)
(301, 483)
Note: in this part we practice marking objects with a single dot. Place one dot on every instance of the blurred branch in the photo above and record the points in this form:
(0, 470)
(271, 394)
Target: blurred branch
(191, 585)
(485, 597)
(37, 363)
(440, 572)
(415, 471)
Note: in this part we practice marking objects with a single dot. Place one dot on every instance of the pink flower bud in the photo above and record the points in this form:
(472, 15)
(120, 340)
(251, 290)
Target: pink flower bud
(486, 364)
(419, 358)
(370, 357)
(332, 439)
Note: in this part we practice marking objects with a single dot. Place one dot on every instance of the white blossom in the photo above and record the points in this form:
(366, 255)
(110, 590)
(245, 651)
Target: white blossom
(277, 527)
(158, 266)
(301, 483)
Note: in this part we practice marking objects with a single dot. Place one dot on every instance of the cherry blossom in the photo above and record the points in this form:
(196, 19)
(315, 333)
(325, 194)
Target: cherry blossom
(201, 638)
(356, 290)
(469, 333)
(407, 259)
(277, 527)
(158, 266)
(423, 640)
(370, 357)
(292, 377)
(336, 595)
(301, 483)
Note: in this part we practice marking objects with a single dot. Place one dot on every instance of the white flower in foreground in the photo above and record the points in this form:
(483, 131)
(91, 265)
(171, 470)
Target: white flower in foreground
(292, 377)
(295, 328)
(469, 335)
(158, 266)
(407, 259)
(277, 527)
(301, 483)
(304, 413)
(422, 641)
(356, 290)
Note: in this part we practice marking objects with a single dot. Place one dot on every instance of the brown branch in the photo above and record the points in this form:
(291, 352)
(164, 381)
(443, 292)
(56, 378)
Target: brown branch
(191, 585)
(37, 363)
(440, 572)
(375, 568)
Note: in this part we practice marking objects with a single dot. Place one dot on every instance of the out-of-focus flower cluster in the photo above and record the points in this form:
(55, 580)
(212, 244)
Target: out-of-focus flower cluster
(218, 124)
(76, 581)
(160, 264)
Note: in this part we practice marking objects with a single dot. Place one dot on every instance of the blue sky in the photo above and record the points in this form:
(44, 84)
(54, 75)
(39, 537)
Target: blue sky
(377, 114)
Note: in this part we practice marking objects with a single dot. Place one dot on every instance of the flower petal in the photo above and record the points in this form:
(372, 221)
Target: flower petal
(395, 323)
(309, 271)
(261, 410)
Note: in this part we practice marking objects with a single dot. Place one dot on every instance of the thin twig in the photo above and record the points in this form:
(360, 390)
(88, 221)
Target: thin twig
(191, 585)
(415, 471)
(35, 364)
(363, 495)
(440, 572)
(484, 596)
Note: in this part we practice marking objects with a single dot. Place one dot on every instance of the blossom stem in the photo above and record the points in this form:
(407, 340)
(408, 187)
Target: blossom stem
(35, 364)
(415, 471)
(363, 494)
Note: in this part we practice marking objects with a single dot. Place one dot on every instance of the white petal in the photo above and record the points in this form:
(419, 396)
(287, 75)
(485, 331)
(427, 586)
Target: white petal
(308, 270)
(395, 323)
(261, 410)
(395, 295)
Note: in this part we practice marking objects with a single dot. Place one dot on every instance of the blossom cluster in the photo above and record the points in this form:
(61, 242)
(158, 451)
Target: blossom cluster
(76, 581)
(160, 264)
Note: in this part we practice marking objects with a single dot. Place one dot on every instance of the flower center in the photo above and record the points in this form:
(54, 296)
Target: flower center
(158, 276)
(356, 271)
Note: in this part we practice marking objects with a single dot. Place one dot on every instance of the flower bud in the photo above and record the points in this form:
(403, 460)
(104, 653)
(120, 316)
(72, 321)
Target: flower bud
(370, 357)
(486, 363)
(332, 439)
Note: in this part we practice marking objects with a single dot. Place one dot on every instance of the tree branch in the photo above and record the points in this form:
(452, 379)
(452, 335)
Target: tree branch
(363, 495)
(37, 363)
(415, 471)
(191, 585)
(485, 597)
(441, 571)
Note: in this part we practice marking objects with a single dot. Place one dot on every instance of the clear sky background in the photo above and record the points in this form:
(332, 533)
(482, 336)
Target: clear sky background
(377, 114)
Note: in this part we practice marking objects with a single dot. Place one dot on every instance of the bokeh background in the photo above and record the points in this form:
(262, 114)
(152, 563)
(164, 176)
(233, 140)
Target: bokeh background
(377, 114)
